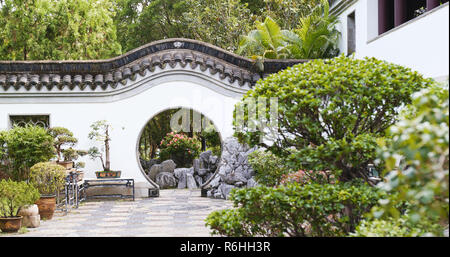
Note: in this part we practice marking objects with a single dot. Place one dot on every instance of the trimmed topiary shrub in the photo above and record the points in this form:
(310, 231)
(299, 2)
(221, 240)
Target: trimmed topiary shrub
(47, 177)
(330, 112)
(295, 210)
(14, 195)
(179, 148)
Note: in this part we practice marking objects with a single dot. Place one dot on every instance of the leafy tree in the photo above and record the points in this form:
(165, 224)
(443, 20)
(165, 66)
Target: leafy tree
(57, 30)
(22, 147)
(218, 22)
(288, 13)
(330, 112)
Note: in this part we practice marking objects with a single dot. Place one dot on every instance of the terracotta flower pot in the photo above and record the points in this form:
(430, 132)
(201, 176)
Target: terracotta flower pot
(46, 206)
(10, 224)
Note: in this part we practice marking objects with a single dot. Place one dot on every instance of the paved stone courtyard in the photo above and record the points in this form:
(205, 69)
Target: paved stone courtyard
(176, 213)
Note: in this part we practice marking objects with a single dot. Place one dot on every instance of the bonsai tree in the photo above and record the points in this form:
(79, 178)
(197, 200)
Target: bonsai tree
(63, 137)
(100, 132)
(14, 195)
(47, 177)
(71, 155)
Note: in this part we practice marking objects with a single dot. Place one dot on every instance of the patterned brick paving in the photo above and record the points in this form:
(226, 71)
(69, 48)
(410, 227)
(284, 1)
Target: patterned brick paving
(178, 212)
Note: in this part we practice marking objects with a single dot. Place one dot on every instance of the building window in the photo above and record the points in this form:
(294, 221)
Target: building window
(34, 120)
(351, 33)
(393, 13)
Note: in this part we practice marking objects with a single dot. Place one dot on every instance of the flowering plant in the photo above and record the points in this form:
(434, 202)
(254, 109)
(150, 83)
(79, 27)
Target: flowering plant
(180, 148)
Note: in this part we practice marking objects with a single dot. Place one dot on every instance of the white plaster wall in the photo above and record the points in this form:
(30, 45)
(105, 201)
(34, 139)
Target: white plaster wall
(421, 44)
(128, 117)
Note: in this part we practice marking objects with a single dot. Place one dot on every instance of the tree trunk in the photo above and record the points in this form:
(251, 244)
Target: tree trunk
(107, 161)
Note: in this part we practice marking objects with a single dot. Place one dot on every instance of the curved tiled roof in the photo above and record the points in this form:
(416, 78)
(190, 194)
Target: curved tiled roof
(56, 75)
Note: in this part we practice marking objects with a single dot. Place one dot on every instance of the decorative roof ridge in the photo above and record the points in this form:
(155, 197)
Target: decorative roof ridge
(77, 67)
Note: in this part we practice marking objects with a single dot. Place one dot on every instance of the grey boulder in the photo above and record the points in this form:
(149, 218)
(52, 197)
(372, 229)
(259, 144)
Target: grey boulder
(168, 166)
(166, 180)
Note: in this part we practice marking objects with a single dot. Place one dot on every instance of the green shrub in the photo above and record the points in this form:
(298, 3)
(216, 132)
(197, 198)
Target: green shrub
(421, 142)
(14, 195)
(269, 169)
(179, 148)
(22, 147)
(47, 177)
(390, 227)
(330, 111)
(295, 210)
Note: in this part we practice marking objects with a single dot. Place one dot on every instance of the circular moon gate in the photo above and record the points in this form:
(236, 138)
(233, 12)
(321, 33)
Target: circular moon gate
(195, 123)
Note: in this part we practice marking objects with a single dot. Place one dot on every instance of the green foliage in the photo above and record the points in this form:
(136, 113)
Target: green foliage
(220, 23)
(295, 210)
(22, 147)
(420, 143)
(269, 169)
(14, 195)
(47, 177)
(288, 13)
(267, 41)
(179, 148)
(57, 30)
(401, 227)
(316, 37)
(330, 112)
(63, 137)
(217, 22)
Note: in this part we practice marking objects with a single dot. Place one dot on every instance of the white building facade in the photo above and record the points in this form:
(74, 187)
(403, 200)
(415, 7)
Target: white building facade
(411, 33)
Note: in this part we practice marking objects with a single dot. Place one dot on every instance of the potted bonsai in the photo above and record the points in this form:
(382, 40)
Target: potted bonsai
(13, 196)
(48, 178)
(62, 138)
(100, 132)
(71, 155)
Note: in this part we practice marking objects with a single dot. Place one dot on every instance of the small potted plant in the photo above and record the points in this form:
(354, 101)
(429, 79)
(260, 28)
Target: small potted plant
(13, 196)
(100, 132)
(48, 178)
(63, 138)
